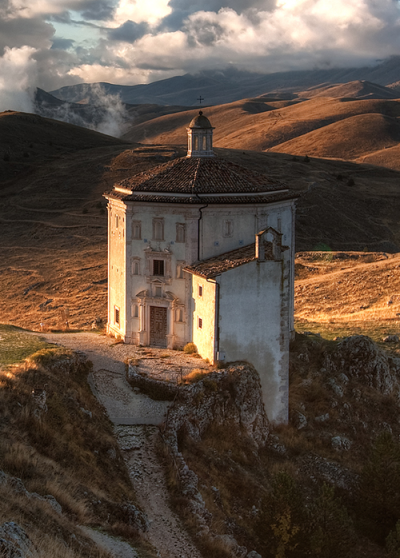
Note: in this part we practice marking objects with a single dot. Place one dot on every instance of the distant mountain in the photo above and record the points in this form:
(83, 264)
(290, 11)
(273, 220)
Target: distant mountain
(217, 87)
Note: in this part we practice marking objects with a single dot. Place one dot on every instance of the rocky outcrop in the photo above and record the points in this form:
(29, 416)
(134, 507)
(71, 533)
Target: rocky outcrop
(358, 357)
(229, 398)
(14, 542)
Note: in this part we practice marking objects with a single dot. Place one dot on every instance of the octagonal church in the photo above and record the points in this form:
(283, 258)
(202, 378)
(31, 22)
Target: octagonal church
(202, 250)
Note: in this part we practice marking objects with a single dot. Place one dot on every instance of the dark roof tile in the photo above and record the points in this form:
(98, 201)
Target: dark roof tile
(218, 264)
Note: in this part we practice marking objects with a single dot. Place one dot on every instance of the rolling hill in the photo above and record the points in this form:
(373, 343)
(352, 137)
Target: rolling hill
(359, 89)
(53, 222)
(321, 127)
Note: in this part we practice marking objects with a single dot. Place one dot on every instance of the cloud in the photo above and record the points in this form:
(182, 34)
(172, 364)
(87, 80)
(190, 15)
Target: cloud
(132, 41)
(18, 72)
(128, 31)
(62, 44)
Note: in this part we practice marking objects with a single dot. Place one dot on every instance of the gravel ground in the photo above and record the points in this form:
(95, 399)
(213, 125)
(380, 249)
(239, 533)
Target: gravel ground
(136, 417)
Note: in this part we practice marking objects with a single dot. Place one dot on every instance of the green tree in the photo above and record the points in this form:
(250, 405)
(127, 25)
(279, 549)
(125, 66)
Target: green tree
(331, 529)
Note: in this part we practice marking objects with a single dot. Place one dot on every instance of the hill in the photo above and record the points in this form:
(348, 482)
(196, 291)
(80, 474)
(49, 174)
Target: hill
(354, 137)
(226, 86)
(323, 127)
(359, 89)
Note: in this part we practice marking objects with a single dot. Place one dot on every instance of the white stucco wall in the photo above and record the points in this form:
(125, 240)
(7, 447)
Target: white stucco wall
(117, 268)
(204, 309)
(124, 251)
(254, 326)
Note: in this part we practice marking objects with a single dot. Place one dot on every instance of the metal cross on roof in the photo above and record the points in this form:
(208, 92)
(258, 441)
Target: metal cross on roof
(200, 99)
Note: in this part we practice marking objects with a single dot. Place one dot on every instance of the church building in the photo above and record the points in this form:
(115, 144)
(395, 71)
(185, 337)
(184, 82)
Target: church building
(202, 250)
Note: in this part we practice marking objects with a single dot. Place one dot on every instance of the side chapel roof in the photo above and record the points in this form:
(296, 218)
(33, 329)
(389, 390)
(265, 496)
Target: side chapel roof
(219, 264)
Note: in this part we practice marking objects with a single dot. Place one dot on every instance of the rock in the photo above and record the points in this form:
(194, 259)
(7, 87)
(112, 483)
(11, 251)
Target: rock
(135, 517)
(230, 398)
(14, 542)
(253, 554)
(322, 418)
(49, 499)
(391, 339)
(40, 397)
(86, 412)
(299, 420)
(337, 389)
(359, 358)
(340, 443)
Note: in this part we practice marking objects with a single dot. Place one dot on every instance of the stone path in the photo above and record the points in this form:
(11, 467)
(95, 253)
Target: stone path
(135, 417)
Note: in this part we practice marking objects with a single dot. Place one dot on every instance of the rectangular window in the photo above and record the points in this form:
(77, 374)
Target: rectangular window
(180, 232)
(158, 267)
(136, 230)
(116, 315)
(200, 323)
(158, 229)
(200, 290)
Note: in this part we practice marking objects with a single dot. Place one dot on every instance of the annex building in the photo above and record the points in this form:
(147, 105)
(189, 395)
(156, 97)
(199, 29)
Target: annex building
(202, 250)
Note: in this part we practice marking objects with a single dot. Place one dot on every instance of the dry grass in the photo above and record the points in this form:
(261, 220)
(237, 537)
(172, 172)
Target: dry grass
(61, 446)
(339, 294)
(321, 126)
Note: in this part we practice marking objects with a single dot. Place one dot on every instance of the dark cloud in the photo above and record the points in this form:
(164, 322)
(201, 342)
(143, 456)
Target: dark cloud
(240, 6)
(62, 44)
(15, 33)
(181, 9)
(53, 66)
(97, 10)
(128, 32)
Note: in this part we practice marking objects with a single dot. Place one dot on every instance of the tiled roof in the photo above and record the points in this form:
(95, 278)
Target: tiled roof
(238, 199)
(218, 264)
(192, 175)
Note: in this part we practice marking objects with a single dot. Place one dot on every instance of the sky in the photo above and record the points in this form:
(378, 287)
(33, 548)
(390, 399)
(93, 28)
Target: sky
(52, 43)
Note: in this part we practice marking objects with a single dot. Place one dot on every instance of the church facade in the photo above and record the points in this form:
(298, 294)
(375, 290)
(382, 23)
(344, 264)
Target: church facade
(202, 250)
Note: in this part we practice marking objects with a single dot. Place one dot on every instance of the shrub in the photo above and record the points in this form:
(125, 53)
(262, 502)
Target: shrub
(190, 348)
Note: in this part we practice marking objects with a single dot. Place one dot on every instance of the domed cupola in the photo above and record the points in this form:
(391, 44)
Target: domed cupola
(200, 133)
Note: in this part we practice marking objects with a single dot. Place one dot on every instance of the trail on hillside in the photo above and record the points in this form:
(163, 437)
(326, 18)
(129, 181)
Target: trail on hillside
(135, 417)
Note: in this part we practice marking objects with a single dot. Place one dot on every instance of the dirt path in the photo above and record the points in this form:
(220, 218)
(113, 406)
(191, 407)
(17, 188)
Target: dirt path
(135, 417)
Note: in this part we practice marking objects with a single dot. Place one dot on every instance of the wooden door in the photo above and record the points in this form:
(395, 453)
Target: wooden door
(158, 326)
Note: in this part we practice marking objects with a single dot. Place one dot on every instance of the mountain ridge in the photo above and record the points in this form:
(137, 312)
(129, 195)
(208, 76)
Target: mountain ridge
(219, 86)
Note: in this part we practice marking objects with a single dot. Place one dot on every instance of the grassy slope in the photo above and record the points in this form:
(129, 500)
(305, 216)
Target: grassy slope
(341, 294)
(64, 448)
(260, 124)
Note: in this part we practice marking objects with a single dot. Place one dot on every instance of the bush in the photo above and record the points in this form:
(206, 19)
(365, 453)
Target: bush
(190, 348)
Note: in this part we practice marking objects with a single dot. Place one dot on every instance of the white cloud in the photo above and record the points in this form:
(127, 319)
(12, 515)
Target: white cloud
(139, 11)
(18, 72)
(263, 35)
